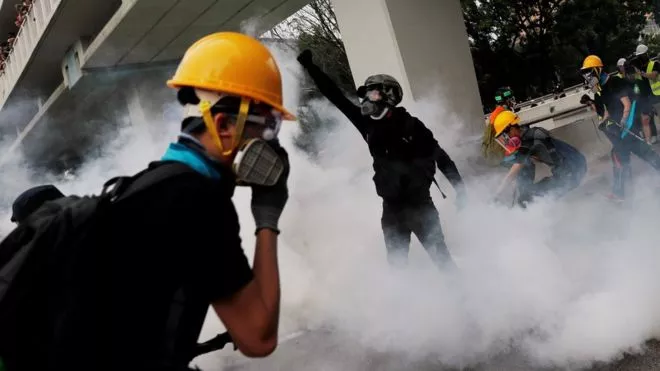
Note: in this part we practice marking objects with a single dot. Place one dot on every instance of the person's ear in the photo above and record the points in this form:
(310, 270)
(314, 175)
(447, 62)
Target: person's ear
(222, 125)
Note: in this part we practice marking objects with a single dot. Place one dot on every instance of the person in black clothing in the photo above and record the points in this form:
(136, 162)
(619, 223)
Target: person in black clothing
(405, 155)
(568, 165)
(31, 200)
(613, 103)
(180, 239)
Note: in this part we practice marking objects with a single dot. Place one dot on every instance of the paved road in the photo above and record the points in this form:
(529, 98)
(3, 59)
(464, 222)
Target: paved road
(323, 350)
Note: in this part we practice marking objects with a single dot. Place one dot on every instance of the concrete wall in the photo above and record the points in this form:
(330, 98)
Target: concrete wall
(423, 43)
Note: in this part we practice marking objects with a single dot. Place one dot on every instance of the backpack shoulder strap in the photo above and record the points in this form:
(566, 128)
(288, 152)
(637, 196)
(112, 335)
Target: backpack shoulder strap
(120, 188)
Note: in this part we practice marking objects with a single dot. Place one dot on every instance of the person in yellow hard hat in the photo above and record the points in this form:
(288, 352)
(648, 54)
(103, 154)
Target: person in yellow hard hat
(178, 240)
(491, 149)
(615, 103)
(537, 145)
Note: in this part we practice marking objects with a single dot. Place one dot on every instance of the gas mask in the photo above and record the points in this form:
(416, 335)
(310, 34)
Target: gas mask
(373, 104)
(592, 79)
(509, 144)
(255, 162)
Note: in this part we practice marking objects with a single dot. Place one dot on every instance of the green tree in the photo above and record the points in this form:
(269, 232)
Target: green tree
(315, 28)
(653, 42)
(527, 44)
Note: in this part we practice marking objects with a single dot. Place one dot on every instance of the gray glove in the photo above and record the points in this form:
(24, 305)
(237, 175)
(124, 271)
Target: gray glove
(268, 201)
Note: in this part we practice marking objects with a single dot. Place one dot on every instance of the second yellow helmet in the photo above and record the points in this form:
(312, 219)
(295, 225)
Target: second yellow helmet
(592, 61)
(504, 120)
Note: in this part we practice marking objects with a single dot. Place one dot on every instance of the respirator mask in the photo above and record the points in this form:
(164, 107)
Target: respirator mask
(372, 103)
(256, 161)
(592, 79)
(508, 143)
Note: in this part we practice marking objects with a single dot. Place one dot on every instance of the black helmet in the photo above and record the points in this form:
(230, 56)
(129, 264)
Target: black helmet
(386, 84)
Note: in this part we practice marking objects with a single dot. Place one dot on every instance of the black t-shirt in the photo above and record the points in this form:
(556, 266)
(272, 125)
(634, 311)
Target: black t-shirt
(537, 143)
(644, 87)
(181, 234)
(610, 97)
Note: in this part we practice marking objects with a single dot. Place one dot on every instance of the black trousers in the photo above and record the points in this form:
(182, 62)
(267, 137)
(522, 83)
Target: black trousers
(400, 219)
(621, 151)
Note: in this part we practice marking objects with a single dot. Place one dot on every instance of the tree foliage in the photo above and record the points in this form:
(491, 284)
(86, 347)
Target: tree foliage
(534, 45)
(315, 28)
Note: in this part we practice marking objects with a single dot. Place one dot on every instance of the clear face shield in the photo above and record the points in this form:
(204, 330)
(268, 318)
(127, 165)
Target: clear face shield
(509, 143)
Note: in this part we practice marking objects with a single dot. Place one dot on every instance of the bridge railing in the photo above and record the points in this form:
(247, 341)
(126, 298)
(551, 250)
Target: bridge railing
(27, 38)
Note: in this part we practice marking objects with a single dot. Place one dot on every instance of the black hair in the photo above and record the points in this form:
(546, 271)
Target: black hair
(228, 104)
(190, 125)
(195, 125)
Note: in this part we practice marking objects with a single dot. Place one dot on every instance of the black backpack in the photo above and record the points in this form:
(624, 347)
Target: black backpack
(52, 239)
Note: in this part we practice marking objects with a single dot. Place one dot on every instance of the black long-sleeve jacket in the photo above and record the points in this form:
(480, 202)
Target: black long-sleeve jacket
(405, 152)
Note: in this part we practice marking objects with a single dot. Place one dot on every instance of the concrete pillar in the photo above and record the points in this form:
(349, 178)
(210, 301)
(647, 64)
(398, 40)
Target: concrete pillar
(422, 43)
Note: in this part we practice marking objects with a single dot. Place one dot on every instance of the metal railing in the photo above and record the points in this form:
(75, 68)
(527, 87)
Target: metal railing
(29, 33)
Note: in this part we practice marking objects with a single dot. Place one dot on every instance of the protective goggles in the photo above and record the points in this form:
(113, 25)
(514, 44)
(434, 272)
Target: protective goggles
(261, 118)
(247, 114)
(505, 95)
(371, 92)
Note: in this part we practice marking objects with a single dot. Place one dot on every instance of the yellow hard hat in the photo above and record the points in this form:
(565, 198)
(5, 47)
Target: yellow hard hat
(235, 64)
(592, 61)
(503, 120)
(232, 63)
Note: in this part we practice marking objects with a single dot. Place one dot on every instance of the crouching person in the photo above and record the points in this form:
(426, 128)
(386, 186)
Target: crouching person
(568, 165)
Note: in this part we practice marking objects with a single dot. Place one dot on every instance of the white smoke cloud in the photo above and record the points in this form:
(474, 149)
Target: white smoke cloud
(559, 284)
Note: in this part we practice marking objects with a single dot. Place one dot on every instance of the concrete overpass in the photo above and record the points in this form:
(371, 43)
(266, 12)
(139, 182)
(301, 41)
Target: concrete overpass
(69, 50)
(60, 77)
(78, 64)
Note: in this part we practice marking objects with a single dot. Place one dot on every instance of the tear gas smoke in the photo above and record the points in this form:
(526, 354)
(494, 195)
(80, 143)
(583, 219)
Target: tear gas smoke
(564, 284)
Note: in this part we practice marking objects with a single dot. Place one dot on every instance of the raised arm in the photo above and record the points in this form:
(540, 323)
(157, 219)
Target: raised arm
(331, 91)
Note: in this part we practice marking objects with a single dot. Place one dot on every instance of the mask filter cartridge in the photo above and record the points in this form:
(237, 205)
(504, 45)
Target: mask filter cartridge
(257, 163)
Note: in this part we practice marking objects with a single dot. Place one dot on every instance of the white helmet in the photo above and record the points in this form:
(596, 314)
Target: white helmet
(621, 62)
(641, 49)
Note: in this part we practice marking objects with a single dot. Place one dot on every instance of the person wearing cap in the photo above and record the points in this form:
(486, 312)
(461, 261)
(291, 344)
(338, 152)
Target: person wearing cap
(649, 72)
(32, 199)
(182, 235)
(536, 144)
